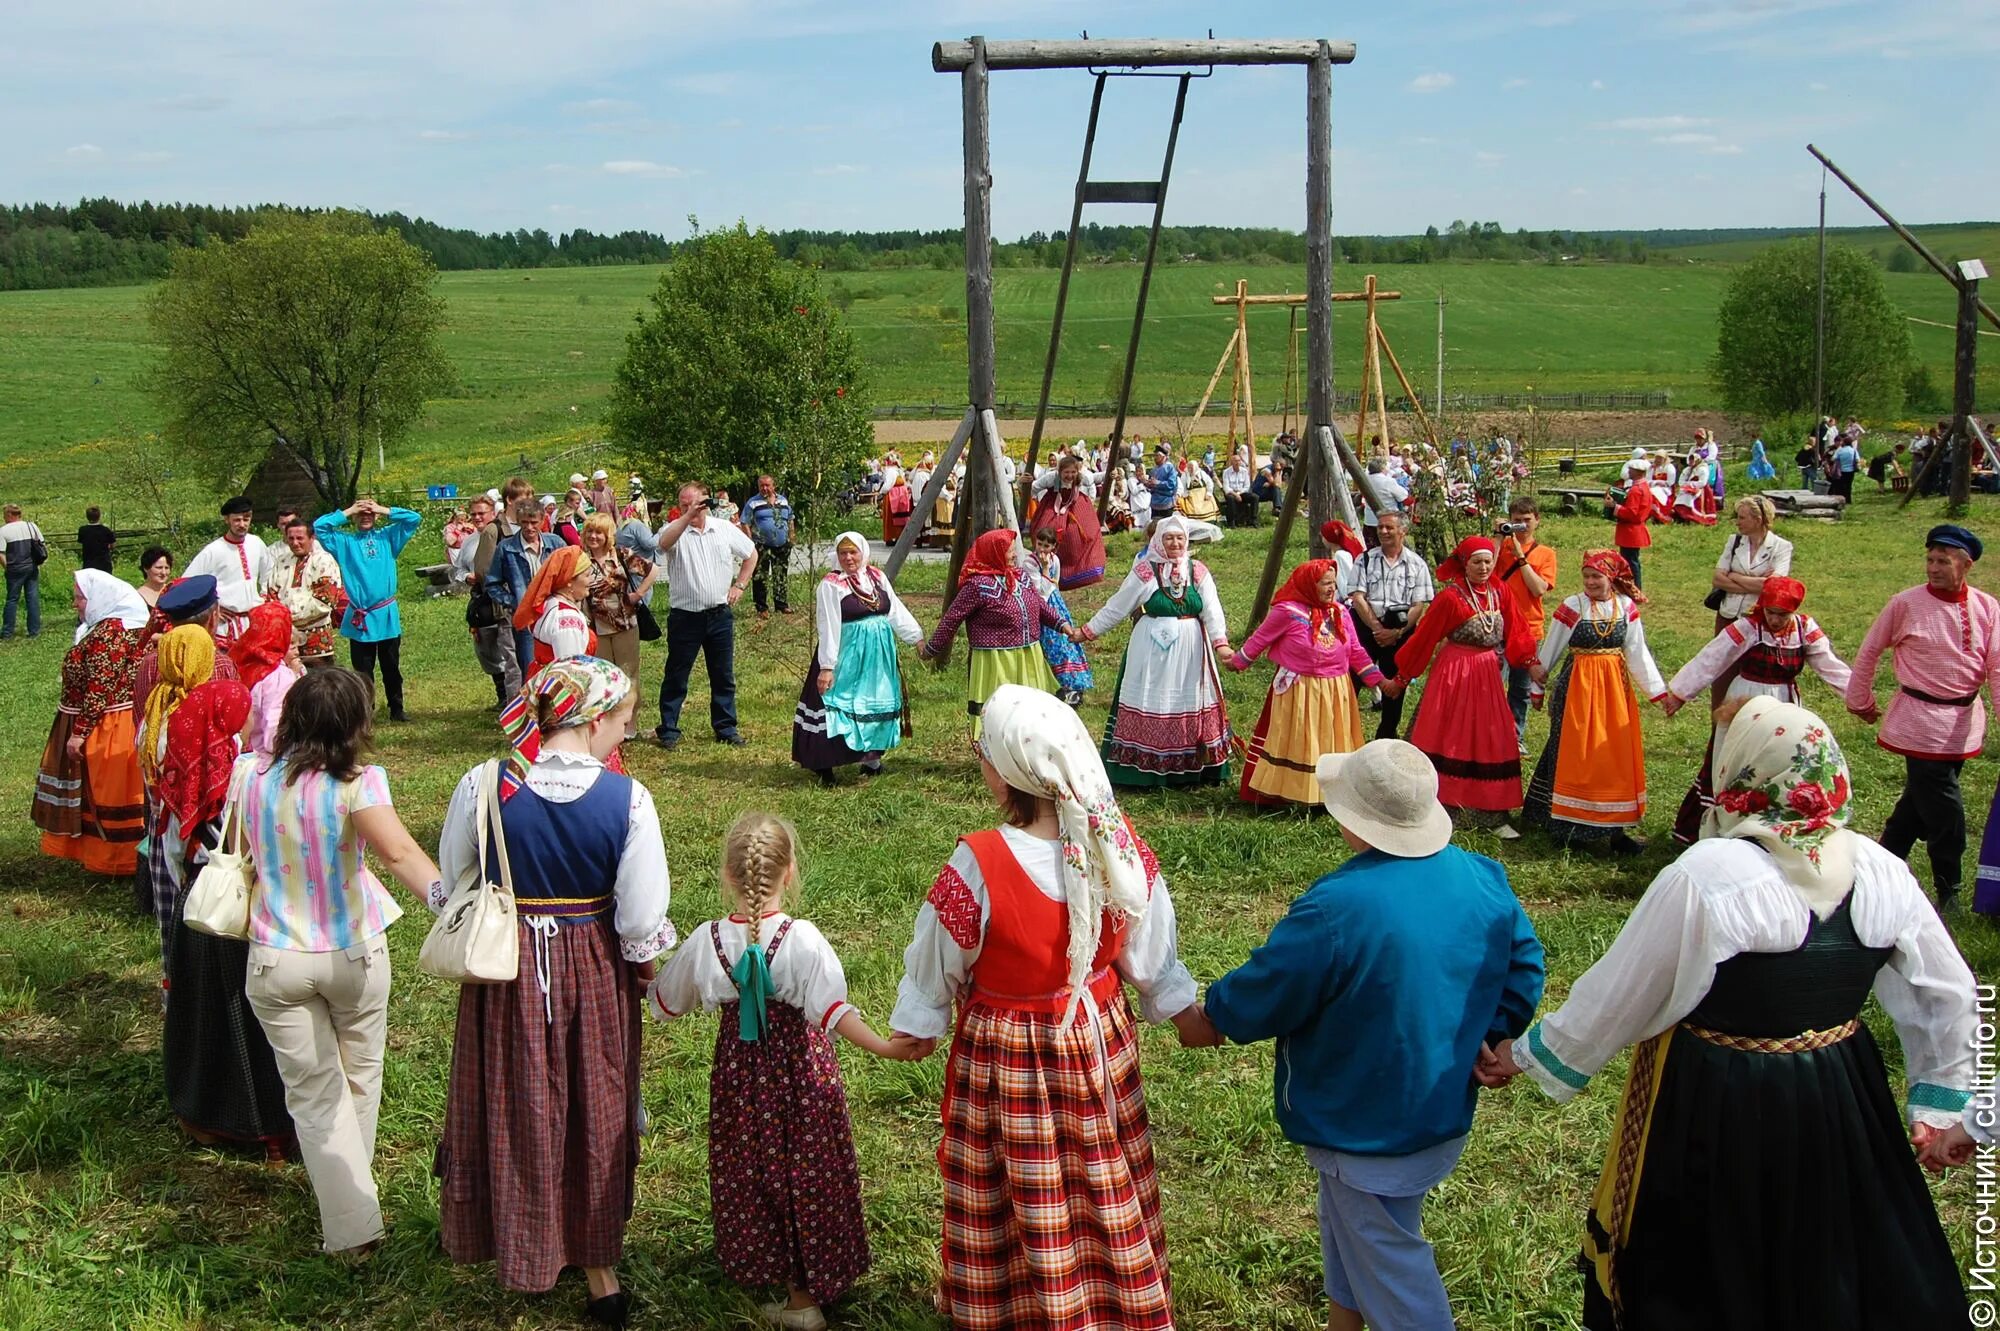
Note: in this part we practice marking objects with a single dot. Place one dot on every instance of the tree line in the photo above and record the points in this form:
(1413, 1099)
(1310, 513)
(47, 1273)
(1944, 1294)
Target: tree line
(105, 242)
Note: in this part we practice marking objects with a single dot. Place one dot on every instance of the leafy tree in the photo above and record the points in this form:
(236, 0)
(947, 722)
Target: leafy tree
(1902, 260)
(314, 335)
(1763, 361)
(742, 365)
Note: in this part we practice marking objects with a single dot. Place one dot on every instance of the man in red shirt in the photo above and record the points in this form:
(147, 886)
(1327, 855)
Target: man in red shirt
(1526, 572)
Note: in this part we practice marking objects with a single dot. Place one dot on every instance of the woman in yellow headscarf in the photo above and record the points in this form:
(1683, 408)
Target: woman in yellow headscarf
(186, 659)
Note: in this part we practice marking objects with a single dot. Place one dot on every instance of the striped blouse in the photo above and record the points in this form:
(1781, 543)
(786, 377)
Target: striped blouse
(314, 893)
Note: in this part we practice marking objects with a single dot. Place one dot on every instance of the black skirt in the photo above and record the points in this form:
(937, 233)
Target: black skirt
(1778, 1190)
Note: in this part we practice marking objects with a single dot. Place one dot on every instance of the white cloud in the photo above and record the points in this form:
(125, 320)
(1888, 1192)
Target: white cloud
(151, 157)
(1434, 82)
(190, 101)
(837, 169)
(639, 168)
(1816, 87)
(1426, 140)
(714, 83)
(442, 135)
(1684, 139)
(84, 151)
(1726, 149)
(1511, 84)
(600, 106)
(1597, 85)
(1659, 124)
(1489, 158)
(1578, 191)
(1895, 53)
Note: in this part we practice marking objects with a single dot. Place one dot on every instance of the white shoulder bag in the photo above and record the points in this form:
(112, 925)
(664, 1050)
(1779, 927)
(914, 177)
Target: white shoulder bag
(218, 903)
(475, 939)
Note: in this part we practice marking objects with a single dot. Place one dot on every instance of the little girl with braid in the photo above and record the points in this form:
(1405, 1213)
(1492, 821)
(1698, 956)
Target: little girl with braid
(784, 1188)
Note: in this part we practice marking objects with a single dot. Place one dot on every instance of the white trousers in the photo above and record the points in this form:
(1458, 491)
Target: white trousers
(326, 1015)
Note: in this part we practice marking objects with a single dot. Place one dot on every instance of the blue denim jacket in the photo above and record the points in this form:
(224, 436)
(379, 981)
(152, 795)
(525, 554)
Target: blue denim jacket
(507, 578)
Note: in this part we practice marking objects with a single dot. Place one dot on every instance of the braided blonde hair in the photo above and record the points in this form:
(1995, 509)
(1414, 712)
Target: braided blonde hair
(759, 861)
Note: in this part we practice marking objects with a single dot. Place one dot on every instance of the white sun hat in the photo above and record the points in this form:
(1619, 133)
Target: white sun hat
(1385, 792)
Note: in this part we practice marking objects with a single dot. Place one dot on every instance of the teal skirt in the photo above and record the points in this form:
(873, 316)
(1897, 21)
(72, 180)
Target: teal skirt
(864, 708)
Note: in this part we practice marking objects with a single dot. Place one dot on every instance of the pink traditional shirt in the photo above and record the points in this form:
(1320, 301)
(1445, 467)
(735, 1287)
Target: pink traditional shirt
(1286, 637)
(1947, 649)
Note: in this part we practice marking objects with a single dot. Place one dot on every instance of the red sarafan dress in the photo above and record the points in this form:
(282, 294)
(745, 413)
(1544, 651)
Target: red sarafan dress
(1051, 1202)
(1463, 724)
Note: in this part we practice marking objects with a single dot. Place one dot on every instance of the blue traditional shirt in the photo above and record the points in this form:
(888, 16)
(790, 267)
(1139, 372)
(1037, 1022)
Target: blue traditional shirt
(367, 562)
(1165, 484)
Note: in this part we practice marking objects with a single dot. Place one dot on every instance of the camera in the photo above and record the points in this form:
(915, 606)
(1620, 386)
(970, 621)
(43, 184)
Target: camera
(1509, 528)
(711, 503)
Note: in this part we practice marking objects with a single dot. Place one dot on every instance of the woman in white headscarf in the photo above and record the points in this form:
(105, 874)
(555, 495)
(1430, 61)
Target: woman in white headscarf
(1033, 929)
(852, 707)
(1758, 1174)
(1167, 725)
(88, 801)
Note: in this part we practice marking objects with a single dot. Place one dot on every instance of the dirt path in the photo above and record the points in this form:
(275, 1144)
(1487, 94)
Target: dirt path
(1554, 427)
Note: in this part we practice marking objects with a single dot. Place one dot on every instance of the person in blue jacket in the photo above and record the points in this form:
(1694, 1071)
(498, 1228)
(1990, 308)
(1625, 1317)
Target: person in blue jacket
(1382, 985)
(364, 539)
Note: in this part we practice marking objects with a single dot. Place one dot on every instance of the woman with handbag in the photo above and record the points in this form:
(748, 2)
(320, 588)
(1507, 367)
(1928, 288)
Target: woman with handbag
(222, 1078)
(1753, 554)
(541, 1131)
(317, 927)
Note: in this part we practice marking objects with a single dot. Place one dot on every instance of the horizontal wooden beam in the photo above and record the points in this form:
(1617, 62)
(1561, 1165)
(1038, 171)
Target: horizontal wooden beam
(1300, 300)
(1146, 53)
(1121, 191)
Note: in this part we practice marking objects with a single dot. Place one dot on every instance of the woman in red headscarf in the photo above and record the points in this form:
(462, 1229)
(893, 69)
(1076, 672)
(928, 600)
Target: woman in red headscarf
(1463, 724)
(222, 1079)
(268, 664)
(1311, 709)
(1004, 616)
(1769, 647)
(552, 609)
(1590, 786)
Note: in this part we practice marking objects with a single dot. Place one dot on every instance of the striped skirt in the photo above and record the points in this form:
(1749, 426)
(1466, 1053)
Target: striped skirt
(1051, 1202)
(90, 808)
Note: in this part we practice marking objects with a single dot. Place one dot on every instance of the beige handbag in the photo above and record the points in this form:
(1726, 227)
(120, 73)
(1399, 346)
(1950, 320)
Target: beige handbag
(475, 939)
(219, 902)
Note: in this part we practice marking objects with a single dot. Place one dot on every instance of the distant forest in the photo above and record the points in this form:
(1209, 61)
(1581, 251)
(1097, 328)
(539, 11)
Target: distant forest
(103, 242)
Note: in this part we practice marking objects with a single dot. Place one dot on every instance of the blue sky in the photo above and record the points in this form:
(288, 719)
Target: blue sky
(610, 114)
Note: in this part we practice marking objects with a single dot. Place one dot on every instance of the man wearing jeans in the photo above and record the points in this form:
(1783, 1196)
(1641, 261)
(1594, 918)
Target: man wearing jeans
(767, 517)
(26, 549)
(708, 566)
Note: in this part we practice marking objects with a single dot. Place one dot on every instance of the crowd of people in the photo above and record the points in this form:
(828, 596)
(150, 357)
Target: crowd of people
(205, 714)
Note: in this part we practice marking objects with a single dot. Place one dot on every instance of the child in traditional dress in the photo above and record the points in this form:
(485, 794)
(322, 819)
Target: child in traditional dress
(1065, 657)
(784, 1187)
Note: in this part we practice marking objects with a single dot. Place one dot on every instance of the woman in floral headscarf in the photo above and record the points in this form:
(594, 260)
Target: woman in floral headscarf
(1167, 726)
(541, 1131)
(1004, 616)
(1463, 724)
(1051, 1202)
(1758, 1177)
(1590, 785)
(1311, 708)
(88, 801)
(222, 1079)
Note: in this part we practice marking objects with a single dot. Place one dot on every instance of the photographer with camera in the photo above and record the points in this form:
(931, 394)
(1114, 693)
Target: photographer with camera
(1526, 572)
(709, 564)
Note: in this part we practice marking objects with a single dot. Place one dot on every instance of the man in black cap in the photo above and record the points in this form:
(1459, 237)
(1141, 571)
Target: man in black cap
(1946, 637)
(235, 560)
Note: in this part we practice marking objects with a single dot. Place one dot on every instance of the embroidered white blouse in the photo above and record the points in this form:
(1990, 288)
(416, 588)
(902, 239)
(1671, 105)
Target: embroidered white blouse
(1725, 896)
(806, 973)
(938, 962)
(565, 628)
(642, 890)
(1731, 645)
(833, 588)
(1639, 661)
(1138, 588)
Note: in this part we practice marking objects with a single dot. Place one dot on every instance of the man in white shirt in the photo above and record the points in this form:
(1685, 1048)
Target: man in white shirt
(27, 549)
(709, 564)
(1238, 509)
(236, 561)
(1392, 588)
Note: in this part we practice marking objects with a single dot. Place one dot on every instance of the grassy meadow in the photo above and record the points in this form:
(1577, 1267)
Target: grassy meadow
(534, 352)
(110, 1218)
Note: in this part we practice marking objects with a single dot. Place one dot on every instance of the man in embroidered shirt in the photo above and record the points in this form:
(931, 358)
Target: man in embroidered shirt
(365, 547)
(1392, 588)
(1946, 637)
(767, 518)
(304, 578)
(235, 560)
(1413, 936)
(708, 566)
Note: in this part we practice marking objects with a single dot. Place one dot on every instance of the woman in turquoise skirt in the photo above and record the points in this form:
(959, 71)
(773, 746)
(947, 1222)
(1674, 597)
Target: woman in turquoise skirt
(851, 708)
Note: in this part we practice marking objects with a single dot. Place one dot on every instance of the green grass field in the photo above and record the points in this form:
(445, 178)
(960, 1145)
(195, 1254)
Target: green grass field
(1950, 242)
(111, 1219)
(535, 350)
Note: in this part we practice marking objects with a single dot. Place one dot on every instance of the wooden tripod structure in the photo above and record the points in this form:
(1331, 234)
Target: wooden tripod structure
(1236, 357)
(1376, 349)
(988, 503)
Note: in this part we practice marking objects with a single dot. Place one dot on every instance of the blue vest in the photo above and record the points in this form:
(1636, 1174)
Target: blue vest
(564, 857)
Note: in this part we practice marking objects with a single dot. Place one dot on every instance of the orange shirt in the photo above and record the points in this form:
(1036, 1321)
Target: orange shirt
(1526, 605)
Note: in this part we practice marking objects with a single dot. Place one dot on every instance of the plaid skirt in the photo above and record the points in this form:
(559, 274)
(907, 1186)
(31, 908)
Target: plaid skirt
(541, 1122)
(1051, 1202)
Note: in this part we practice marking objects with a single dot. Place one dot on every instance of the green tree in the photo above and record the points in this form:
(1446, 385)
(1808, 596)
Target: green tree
(1763, 362)
(314, 335)
(741, 365)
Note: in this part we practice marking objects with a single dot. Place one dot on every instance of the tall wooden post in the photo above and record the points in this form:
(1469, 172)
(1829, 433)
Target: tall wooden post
(1965, 363)
(1320, 478)
(979, 507)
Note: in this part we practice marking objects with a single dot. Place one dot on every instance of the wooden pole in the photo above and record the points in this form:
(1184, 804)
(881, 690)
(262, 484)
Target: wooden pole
(1416, 403)
(1147, 53)
(1243, 368)
(1321, 481)
(1965, 371)
(1003, 498)
(1323, 439)
(1944, 270)
(920, 516)
(1228, 356)
(1291, 372)
(973, 506)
